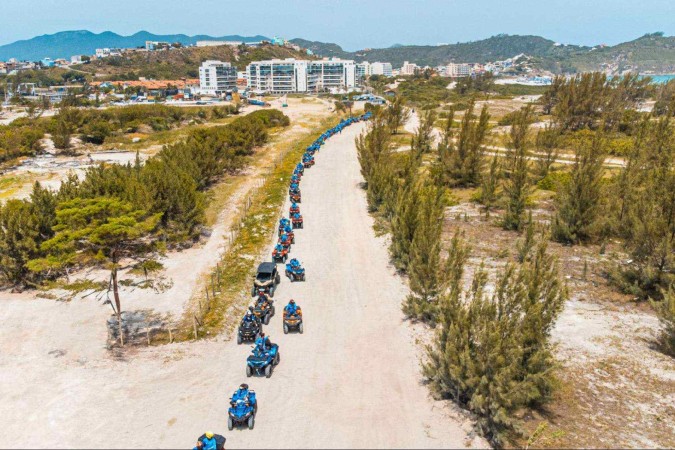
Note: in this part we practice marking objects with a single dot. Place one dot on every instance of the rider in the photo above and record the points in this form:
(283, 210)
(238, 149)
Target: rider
(295, 263)
(295, 207)
(263, 343)
(241, 393)
(291, 309)
(209, 441)
(249, 317)
(263, 297)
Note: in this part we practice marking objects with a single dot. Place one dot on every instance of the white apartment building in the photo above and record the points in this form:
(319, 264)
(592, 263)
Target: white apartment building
(409, 68)
(458, 70)
(218, 43)
(362, 70)
(217, 77)
(280, 76)
(381, 68)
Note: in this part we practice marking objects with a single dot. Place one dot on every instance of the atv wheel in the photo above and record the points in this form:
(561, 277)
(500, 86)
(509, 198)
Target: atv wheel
(253, 292)
(274, 311)
(267, 319)
(230, 424)
(301, 328)
(283, 260)
(249, 371)
(277, 359)
(278, 279)
(268, 371)
(285, 329)
(239, 340)
(251, 422)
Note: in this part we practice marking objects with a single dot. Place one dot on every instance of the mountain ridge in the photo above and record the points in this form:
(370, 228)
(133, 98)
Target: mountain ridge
(65, 44)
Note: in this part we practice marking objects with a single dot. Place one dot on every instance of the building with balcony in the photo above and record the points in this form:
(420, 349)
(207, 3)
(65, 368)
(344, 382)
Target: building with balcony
(283, 76)
(216, 78)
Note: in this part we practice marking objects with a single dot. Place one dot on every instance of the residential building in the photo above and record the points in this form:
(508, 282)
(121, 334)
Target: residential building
(76, 59)
(281, 76)
(381, 68)
(409, 68)
(217, 77)
(458, 70)
(154, 45)
(218, 43)
(362, 71)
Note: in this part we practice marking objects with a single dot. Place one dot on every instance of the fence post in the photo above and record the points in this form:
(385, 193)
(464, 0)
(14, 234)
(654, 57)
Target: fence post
(170, 335)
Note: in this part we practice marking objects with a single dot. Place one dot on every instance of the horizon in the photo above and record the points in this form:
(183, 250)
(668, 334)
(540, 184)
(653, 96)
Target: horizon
(353, 24)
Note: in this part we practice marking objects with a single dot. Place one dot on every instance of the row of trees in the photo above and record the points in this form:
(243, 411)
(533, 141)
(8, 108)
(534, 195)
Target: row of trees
(41, 237)
(492, 352)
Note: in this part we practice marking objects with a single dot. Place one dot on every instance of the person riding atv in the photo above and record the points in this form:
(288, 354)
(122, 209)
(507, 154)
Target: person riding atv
(210, 441)
(295, 271)
(295, 197)
(263, 343)
(284, 223)
(300, 168)
(243, 393)
(264, 308)
(294, 188)
(293, 318)
(249, 328)
(279, 254)
(297, 220)
(293, 209)
(285, 240)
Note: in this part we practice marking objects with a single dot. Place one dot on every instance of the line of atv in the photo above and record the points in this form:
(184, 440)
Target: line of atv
(265, 355)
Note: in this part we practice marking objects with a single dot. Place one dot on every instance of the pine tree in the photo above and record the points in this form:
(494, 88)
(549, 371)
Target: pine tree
(547, 153)
(466, 154)
(19, 239)
(489, 186)
(397, 114)
(424, 267)
(103, 230)
(492, 353)
(517, 183)
(578, 202)
(403, 224)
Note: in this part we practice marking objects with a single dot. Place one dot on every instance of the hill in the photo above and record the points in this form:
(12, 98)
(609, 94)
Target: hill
(68, 43)
(179, 63)
(649, 53)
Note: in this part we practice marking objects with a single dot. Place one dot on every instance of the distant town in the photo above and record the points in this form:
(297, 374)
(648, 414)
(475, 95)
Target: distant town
(219, 80)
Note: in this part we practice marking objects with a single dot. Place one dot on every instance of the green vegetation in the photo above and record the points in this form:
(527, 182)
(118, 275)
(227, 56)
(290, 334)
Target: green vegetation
(653, 52)
(517, 185)
(666, 312)
(492, 353)
(171, 186)
(182, 62)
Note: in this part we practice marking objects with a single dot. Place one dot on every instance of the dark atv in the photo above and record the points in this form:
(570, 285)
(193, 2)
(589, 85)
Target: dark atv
(266, 279)
(249, 331)
(264, 310)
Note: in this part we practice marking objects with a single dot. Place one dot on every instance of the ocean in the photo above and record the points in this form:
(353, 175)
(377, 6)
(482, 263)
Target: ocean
(661, 79)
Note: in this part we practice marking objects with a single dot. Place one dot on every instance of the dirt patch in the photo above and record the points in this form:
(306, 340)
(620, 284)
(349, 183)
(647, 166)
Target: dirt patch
(616, 389)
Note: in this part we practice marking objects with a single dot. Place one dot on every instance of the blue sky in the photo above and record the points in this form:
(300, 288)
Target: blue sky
(354, 24)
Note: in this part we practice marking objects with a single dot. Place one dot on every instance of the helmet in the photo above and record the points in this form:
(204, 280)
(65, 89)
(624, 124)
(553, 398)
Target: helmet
(208, 434)
(248, 313)
(292, 302)
(262, 335)
(250, 309)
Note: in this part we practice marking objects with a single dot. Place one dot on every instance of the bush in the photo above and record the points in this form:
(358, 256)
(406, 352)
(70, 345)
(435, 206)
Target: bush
(554, 181)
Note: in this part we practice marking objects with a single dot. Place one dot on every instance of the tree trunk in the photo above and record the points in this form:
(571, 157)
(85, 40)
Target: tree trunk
(116, 294)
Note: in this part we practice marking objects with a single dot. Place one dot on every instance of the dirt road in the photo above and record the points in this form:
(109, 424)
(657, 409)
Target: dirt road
(352, 380)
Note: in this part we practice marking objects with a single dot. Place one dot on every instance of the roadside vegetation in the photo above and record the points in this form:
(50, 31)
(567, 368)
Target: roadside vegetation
(126, 214)
(492, 351)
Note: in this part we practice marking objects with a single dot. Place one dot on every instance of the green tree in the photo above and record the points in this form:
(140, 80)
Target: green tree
(547, 153)
(102, 230)
(424, 267)
(397, 114)
(578, 202)
(19, 239)
(517, 184)
(489, 187)
(465, 156)
(492, 354)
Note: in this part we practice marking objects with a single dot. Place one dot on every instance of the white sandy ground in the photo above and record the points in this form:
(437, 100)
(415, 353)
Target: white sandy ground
(352, 380)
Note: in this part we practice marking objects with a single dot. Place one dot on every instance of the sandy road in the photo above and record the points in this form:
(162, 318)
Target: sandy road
(352, 380)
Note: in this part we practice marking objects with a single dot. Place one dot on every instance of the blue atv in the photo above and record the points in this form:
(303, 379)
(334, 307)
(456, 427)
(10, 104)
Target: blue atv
(262, 361)
(294, 271)
(243, 408)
